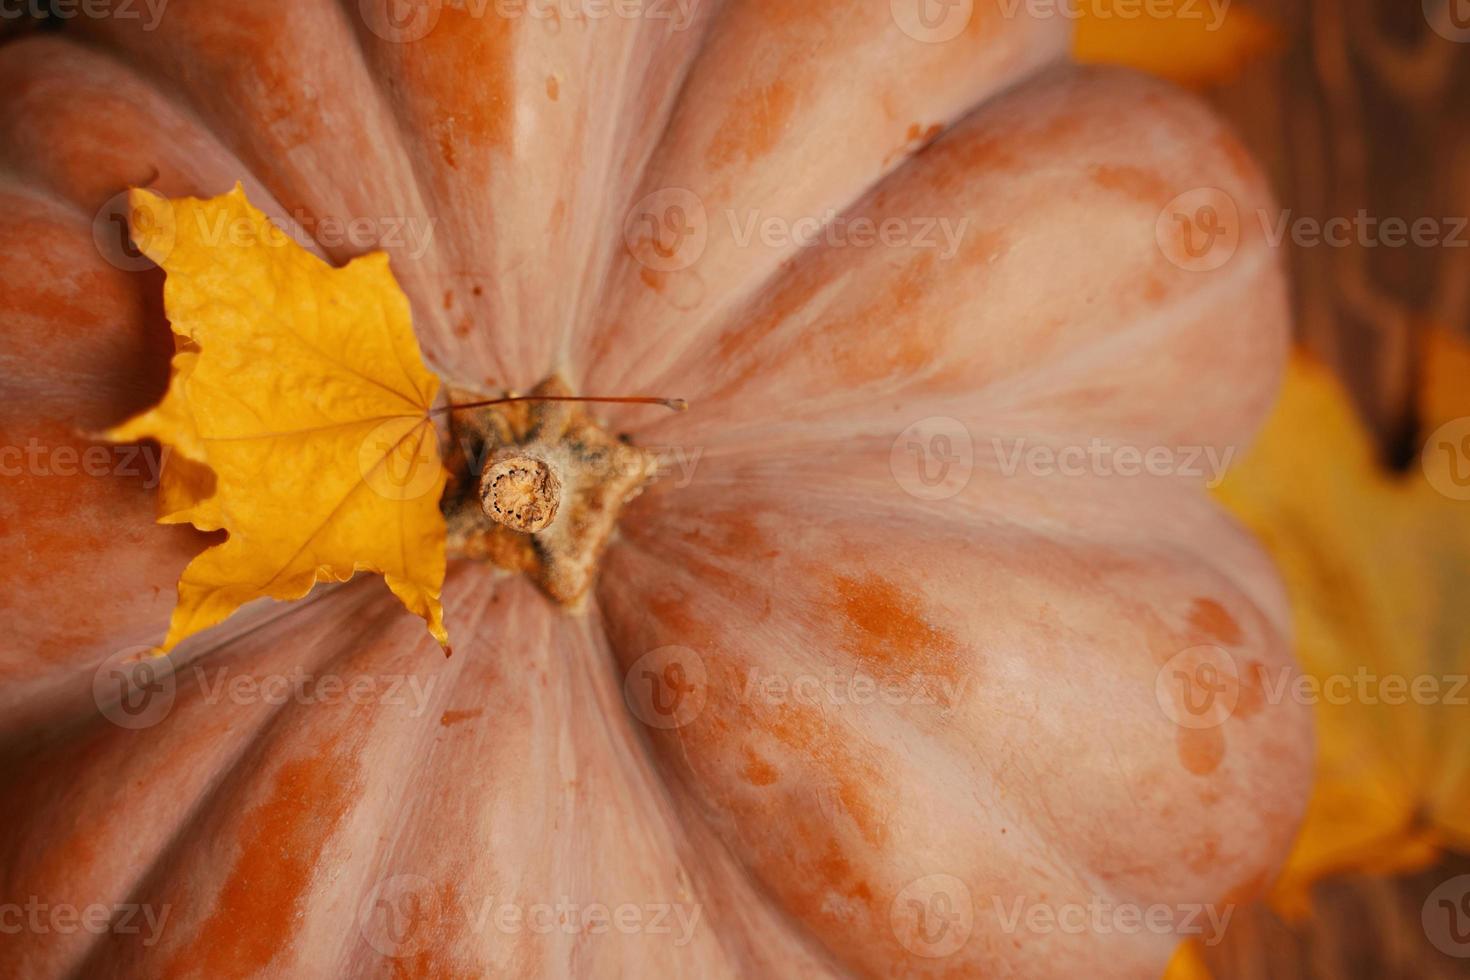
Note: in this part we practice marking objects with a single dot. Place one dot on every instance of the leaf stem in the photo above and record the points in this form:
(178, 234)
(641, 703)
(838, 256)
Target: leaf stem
(676, 404)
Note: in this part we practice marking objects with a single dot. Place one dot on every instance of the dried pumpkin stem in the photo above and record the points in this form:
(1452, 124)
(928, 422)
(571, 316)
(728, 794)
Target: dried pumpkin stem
(521, 492)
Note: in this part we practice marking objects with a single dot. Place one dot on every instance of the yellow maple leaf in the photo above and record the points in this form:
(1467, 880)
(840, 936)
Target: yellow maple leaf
(1192, 43)
(1377, 566)
(297, 416)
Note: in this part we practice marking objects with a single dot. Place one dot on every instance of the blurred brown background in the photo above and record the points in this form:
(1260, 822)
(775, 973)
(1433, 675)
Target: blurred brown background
(1363, 106)
(1366, 106)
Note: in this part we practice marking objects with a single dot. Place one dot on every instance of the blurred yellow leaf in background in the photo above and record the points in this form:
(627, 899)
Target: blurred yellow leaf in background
(1192, 42)
(1377, 566)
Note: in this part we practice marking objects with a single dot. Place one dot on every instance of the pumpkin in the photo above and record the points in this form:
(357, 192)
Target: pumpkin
(850, 690)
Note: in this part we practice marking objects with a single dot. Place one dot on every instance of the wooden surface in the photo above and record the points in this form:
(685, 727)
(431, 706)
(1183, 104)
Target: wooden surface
(1360, 927)
(1366, 107)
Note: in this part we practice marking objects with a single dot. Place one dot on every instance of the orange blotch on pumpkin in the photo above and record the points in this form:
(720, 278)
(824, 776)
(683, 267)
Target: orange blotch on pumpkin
(889, 337)
(1252, 696)
(446, 148)
(1144, 186)
(731, 534)
(915, 140)
(464, 112)
(753, 125)
(652, 278)
(885, 628)
(449, 718)
(741, 344)
(258, 908)
(1211, 619)
(433, 934)
(785, 14)
(758, 772)
(828, 759)
(671, 608)
(1200, 750)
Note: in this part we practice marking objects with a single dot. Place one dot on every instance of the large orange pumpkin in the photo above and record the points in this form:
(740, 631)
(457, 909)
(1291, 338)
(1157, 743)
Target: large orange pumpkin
(852, 688)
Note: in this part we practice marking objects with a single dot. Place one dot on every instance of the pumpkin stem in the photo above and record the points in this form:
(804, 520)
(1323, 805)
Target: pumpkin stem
(520, 491)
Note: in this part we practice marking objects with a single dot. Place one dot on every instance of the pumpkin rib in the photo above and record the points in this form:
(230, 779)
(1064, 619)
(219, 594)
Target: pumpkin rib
(490, 354)
(861, 332)
(51, 128)
(241, 902)
(698, 625)
(686, 576)
(648, 316)
(589, 291)
(1033, 395)
(97, 808)
(291, 155)
(86, 334)
(474, 87)
(752, 948)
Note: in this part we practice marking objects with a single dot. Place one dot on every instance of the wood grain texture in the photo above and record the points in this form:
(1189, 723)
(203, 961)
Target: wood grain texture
(1364, 109)
(1361, 927)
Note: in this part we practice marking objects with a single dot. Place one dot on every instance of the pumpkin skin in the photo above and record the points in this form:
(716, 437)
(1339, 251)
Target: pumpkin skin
(267, 828)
